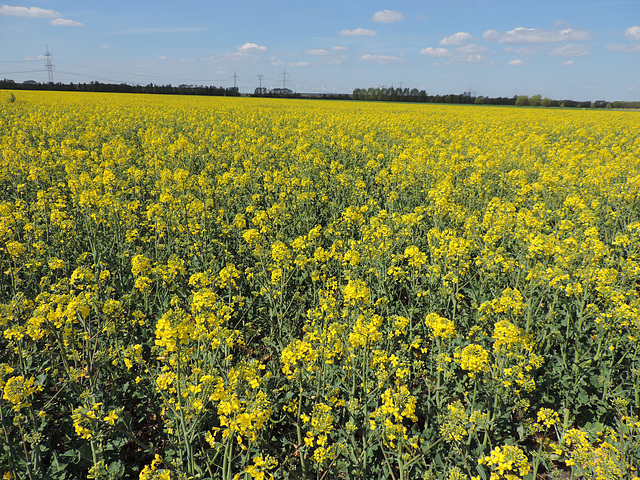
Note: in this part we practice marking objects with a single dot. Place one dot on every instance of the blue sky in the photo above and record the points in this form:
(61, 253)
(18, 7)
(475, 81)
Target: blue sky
(575, 49)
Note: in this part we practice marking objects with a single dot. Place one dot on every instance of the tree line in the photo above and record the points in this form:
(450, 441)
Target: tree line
(122, 88)
(390, 94)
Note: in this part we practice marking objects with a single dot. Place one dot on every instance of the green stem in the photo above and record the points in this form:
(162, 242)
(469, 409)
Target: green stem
(94, 454)
(183, 424)
(8, 443)
(536, 462)
(466, 464)
(26, 453)
(400, 461)
(386, 458)
(226, 462)
(299, 432)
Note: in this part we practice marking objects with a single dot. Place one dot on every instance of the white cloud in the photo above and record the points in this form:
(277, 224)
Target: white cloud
(162, 57)
(471, 48)
(339, 48)
(106, 47)
(385, 59)
(28, 12)
(38, 57)
(435, 52)
(459, 38)
(568, 63)
(633, 33)
(63, 22)
(616, 47)
(571, 50)
(251, 47)
(221, 72)
(358, 32)
(516, 63)
(275, 62)
(299, 64)
(387, 16)
(535, 35)
(317, 51)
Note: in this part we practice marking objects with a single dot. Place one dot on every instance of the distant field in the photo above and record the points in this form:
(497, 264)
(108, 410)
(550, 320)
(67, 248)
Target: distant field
(210, 287)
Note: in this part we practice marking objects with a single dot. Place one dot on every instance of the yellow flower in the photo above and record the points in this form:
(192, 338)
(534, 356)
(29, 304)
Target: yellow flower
(140, 265)
(472, 358)
(17, 390)
(251, 236)
(508, 462)
(506, 337)
(15, 249)
(440, 327)
(548, 417)
(111, 417)
(356, 292)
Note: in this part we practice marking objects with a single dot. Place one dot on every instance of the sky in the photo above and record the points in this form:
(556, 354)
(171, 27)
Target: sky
(561, 49)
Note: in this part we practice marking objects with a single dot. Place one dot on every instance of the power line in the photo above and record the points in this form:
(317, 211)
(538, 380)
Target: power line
(49, 66)
(22, 61)
(283, 77)
(138, 75)
(22, 71)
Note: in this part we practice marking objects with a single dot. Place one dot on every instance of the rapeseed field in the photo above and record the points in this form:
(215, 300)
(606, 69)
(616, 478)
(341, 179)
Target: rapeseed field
(238, 288)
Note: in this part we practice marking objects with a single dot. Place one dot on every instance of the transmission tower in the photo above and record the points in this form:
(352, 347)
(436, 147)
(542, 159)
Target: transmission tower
(260, 77)
(48, 65)
(235, 78)
(283, 77)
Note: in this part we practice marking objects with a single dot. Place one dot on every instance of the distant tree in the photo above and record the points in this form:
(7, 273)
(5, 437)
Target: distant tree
(546, 102)
(371, 93)
(535, 101)
(522, 100)
(479, 100)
